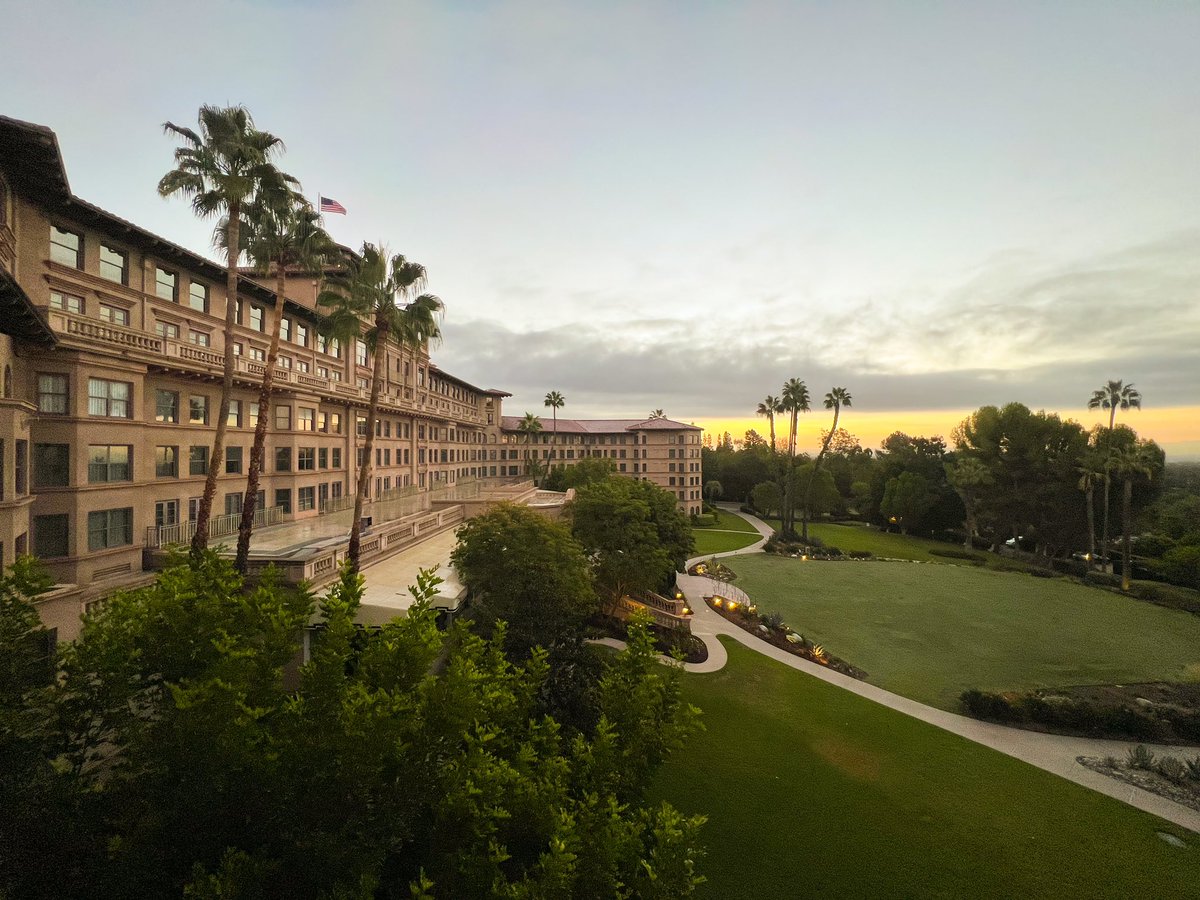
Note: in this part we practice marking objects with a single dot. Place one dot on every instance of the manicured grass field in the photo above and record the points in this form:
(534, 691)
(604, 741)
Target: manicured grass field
(929, 632)
(812, 791)
(727, 521)
(879, 543)
(711, 541)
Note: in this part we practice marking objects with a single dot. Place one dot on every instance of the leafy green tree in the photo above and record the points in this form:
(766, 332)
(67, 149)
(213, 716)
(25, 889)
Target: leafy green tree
(222, 168)
(766, 497)
(713, 490)
(907, 498)
(529, 426)
(555, 401)
(284, 234)
(634, 532)
(528, 571)
(1181, 565)
(1115, 395)
(968, 475)
(381, 300)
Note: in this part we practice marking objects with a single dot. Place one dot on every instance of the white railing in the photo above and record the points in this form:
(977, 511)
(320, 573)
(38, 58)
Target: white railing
(714, 587)
(218, 526)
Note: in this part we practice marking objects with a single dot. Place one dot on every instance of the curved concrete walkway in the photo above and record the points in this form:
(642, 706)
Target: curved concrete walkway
(1052, 752)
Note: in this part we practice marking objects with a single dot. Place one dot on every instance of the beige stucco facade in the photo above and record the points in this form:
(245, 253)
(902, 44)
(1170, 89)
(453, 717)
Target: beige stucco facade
(112, 349)
(661, 451)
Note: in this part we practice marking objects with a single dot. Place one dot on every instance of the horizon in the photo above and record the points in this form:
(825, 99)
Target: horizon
(938, 209)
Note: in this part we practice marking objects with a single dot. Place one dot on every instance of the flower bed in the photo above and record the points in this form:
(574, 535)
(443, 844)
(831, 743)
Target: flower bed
(772, 630)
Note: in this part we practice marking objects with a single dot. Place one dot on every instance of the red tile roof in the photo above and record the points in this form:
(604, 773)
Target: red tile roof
(599, 426)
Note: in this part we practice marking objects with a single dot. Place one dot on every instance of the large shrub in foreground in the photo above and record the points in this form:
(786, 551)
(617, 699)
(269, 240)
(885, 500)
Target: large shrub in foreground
(172, 759)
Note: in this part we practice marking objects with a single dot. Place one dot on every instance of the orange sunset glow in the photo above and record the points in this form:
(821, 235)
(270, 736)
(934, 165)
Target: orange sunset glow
(1176, 429)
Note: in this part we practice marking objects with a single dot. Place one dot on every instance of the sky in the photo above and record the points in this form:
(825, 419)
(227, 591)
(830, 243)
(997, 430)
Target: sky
(681, 205)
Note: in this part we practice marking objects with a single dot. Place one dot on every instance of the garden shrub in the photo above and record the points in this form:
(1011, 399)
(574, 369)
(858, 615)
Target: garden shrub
(1038, 572)
(1140, 757)
(1193, 769)
(1186, 725)
(952, 553)
(859, 554)
(986, 705)
(1172, 769)
(1103, 579)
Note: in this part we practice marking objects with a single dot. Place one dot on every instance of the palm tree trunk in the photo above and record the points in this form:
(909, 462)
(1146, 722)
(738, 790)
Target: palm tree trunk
(969, 503)
(1091, 521)
(1127, 528)
(364, 472)
(771, 419)
(1112, 420)
(216, 459)
(246, 526)
(813, 474)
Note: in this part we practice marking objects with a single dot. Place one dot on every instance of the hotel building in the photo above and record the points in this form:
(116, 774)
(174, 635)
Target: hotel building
(112, 352)
(662, 451)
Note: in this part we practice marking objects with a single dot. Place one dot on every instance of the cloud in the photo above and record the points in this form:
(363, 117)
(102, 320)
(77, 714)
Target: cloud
(1017, 327)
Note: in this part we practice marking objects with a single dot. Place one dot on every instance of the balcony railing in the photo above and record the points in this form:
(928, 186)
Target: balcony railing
(218, 526)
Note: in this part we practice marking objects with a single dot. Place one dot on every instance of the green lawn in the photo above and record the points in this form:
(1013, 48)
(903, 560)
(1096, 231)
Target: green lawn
(813, 791)
(880, 543)
(727, 521)
(930, 632)
(710, 541)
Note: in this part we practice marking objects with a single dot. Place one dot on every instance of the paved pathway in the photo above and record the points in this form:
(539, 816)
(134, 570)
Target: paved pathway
(1052, 752)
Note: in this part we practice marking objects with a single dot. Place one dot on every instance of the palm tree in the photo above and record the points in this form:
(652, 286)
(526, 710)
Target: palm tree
(377, 299)
(794, 400)
(657, 414)
(967, 475)
(835, 400)
(555, 401)
(769, 407)
(530, 425)
(1127, 463)
(1091, 470)
(281, 236)
(1113, 396)
(222, 168)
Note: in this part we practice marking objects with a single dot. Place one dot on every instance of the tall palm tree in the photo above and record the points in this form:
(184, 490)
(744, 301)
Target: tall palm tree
(1091, 471)
(530, 425)
(769, 407)
(283, 233)
(222, 168)
(1113, 396)
(795, 400)
(555, 401)
(1127, 463)
(657, 414)
(967, 475)
(377, 299)
(835, 400)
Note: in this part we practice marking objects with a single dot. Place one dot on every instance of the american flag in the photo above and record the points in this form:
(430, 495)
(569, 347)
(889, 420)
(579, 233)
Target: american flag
(332, 206)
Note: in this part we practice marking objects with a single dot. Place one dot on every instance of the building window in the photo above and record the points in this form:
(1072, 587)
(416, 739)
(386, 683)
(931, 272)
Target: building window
(233, 503)
(66, 302)
(166, 406)
(109, 398)
(337, 457)
(323, 371)
(198, 410)
(258, 354)
(66, 247)
(336, 490)
(193, 508)
(283, 418)
(234, 419)
(284, 362)
(256, 317)
(301, 334)
(108, 462)
(323, 458)
(51, 465)
(233, 460)
(322, 343)
(110, 528)
(306, 419)
(238, 349)
(283, 497)
(302, 366)
(52, 394)
(166, 512)
(306, 459)
(166, 462)
(166, 284)
(198, 461)
(322, 494)
(21, 468)
(50, 536)
(361, 426)
(283, 459)
(253, 415)
(285, 329)
(117, 315)
(167, 330)
(114, 264)
(198, 296)
(335, 423)
(360, 352)
(306, 498)
(200, 338)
